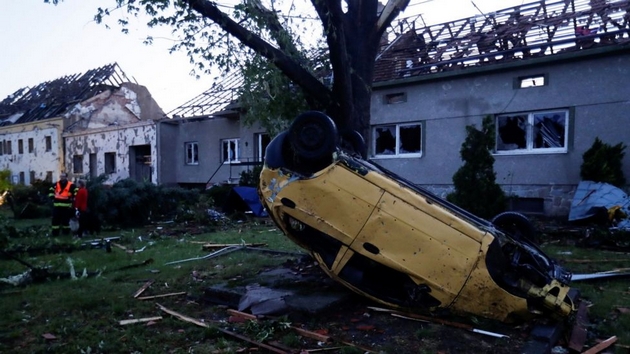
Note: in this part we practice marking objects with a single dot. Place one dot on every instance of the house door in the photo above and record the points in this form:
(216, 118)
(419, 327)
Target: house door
(140, 163)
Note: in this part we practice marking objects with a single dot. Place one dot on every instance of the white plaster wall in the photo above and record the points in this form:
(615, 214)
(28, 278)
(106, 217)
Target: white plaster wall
(111, 139)
(40, 161)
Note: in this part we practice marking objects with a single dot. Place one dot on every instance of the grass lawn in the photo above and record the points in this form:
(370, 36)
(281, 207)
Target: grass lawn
(82, 315)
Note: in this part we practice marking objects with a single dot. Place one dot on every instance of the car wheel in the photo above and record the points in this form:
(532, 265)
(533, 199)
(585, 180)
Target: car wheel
(516, 225)
(313, 138)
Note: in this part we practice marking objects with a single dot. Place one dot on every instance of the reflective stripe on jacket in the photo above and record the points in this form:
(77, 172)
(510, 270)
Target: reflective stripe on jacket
(61, 194)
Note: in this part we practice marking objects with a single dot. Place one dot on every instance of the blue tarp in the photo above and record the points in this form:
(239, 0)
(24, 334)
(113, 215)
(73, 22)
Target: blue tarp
(244, 197)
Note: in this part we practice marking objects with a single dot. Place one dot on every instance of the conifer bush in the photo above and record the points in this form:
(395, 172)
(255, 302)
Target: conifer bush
(475, 184)
(603, 163)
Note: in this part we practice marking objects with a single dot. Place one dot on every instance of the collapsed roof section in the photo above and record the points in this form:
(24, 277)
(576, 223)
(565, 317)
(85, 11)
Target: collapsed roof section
(53, 98)
(536, 29)
(220, 100)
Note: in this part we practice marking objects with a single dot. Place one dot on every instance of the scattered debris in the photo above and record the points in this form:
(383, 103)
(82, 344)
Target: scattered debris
(139, 320)
(601, 346)
(207, 246)
(600, 275)
(413, 316)
(143, 288)
(261, 300)
(579, 332)
(49, 336)
(211, 255)
(160, 296)
(601, 201)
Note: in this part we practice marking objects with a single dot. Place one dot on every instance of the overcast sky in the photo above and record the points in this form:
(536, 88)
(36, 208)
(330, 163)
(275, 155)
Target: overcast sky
(41, 42)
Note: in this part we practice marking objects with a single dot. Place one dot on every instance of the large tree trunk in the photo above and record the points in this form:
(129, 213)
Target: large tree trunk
(353, 39)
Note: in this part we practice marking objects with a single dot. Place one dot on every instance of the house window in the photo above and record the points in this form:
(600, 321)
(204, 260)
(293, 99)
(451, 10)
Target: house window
(48, 176)
(192, 153)
(22, 180)
(77, 164)
(31, 145)
(531, 81)
(1, 148)
(262, 140)
(7, 147)
(31, 177)
(534, 132)
(20, 146)
(110, 162)
(48, 143)
(397, 140)
(229, 150)
(393, 98)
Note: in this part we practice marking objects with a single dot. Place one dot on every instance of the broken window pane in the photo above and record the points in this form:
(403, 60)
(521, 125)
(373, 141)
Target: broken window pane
(549, 130)
(526, 132)
(385, 140)
(48, 143)
(393, 140)
(410, 139)
(230, 150)
(512, 132)
(192, 153)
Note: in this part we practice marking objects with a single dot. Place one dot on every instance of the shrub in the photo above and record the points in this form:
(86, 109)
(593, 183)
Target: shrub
(602, 163)
(132, 203)
(476, 189)
(250, 178)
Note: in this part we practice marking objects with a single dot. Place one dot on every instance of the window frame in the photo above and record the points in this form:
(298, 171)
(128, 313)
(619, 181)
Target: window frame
(229, 161)
(48, 142)
(109, 168)
(530, 134)
(260, 149)
(397, 153)
(77, 168)
(192, 160)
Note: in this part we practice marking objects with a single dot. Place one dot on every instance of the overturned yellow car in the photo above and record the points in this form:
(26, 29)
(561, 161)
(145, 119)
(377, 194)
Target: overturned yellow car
(396, 243)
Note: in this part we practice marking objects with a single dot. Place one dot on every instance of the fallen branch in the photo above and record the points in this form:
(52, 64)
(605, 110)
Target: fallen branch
(143, 288)
(138, 320)
(601, 346)
(162, 295)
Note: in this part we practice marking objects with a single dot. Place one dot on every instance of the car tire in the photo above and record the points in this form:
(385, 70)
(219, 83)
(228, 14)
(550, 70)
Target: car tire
(516, 225)
(313, 137)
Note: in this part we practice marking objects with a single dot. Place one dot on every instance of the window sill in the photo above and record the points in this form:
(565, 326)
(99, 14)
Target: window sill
(403, 156)
(529, 152)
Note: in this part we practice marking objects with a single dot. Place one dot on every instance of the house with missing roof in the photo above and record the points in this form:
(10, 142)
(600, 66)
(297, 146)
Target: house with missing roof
(552, 75)
(86, 124)
(205, 143)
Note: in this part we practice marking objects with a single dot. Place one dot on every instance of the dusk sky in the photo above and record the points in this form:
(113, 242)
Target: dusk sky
(42, 42)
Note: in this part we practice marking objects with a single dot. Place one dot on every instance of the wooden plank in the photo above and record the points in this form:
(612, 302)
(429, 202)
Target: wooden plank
(601, 346)
(313, 335)
(259, 344)
(183, 317)
(139, 320)
(248, 316)
(221, 245)
(161, 295)
(301, 331)
(143, 288)
(579, 332)
(119, 246)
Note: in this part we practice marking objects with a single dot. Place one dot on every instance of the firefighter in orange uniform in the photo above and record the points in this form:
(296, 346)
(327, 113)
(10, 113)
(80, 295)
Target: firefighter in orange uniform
(62, 193)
